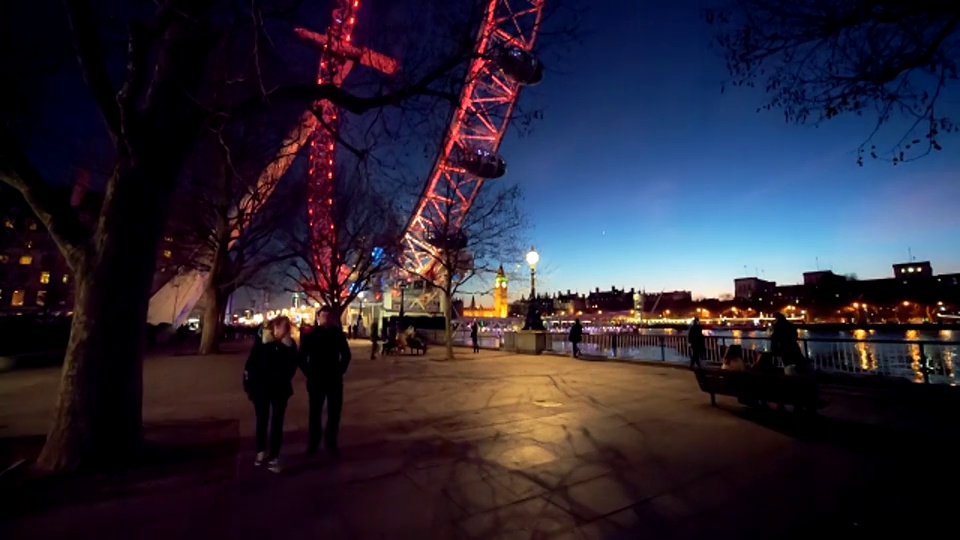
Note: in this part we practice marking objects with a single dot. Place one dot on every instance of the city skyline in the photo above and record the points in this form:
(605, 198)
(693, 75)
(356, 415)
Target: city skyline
(521, 287)
(655, 177)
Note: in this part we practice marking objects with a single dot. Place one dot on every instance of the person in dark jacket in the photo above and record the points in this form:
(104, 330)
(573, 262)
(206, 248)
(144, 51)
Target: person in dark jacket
(784, 344)
(783, 340)
(324, 358)
(697, 343)
(576, 336)
(475, 336)
(267, 380)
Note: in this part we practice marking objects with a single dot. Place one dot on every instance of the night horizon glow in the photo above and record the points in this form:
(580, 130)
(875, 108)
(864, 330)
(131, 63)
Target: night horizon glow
(643, 174)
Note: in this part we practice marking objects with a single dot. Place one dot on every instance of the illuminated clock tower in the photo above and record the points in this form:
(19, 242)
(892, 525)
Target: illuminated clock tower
(500, 294)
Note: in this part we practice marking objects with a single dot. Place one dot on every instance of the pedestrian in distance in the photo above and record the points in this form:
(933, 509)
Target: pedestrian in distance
(697, 343)
(267, 380)
(324, 358)
(576, 336)
(475, 336)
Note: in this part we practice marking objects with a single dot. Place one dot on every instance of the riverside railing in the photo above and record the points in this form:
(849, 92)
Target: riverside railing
(925, 361)
(920, 360)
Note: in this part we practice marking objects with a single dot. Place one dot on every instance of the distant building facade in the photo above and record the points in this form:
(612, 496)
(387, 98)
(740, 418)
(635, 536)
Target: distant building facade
(748, 288)
(913, 270)
(914, 292)
(500, 309)
(34, 276)
(614, 300)
(569, 303)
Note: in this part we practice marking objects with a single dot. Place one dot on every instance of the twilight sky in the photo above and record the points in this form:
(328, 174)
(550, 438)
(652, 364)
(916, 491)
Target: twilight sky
(642, 174)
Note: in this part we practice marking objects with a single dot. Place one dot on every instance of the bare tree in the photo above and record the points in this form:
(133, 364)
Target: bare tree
(146, 67)
(232, 216)
(486, 237)
(333, 268)
(819, 59)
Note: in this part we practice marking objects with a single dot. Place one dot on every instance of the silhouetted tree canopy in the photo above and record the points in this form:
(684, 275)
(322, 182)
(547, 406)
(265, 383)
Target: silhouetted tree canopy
(818, 59)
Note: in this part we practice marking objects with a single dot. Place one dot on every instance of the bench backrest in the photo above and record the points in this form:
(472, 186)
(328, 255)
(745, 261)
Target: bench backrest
(721, 382)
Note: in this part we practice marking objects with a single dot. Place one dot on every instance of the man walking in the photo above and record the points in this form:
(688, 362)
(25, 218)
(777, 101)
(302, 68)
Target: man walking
(324, 358)
(697, 343)
(475, 336)
(575, 337)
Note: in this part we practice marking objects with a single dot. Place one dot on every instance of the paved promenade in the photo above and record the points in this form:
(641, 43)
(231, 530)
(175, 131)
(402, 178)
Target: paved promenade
(493, 445)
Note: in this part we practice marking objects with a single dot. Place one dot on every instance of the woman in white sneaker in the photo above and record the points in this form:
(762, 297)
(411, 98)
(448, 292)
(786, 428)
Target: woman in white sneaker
(267, 380)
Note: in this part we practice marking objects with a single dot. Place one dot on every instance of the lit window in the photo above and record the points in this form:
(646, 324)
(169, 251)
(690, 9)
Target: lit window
(26, 260)
(66, 278)
(17, 299)
(4, 258)
(41, 298)
(32, 225)
(44, 277)
(8, 223)
(167, 253)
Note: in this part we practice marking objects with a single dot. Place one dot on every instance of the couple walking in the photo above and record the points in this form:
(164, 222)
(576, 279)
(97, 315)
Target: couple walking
(268, 381)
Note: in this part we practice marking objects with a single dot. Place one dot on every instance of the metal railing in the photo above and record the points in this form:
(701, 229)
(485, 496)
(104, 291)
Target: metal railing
(922, 361)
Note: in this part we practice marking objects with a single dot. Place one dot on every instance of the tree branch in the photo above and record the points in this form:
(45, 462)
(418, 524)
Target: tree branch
(64, 224)
(356, 104)
(92, 59)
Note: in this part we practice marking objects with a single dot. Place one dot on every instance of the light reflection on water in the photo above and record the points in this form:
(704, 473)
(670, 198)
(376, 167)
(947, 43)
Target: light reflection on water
(940, 349)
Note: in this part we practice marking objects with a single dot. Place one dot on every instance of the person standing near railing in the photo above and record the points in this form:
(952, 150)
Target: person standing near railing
(576, 336)
(475, 336)
(784, 345)
(697, 343)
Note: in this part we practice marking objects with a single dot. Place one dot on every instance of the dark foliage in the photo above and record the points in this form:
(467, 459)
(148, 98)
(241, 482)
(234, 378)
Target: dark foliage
(819, 59)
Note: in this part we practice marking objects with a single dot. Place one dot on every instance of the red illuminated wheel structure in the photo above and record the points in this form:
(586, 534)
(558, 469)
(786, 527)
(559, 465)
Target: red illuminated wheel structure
(334, 66)
(337, 58)
(504, 63)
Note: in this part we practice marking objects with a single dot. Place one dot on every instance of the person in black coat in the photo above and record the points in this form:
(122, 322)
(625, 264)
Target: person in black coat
(784, 344)
(324, 358)
(475, 336)
(267, 380)
(697, 343)
(576, 336)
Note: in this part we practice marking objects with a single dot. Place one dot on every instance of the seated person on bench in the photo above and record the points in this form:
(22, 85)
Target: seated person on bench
(733, 359)
(765, 365)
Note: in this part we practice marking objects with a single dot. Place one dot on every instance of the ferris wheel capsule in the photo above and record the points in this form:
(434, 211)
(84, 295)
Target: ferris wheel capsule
(521, 66)
(453, 241)
(483, 163)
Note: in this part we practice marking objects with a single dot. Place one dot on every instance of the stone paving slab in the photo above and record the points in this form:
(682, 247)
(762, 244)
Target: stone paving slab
(491, 446)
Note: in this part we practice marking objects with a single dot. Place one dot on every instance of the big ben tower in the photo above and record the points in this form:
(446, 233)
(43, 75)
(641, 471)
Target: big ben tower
(500, 294)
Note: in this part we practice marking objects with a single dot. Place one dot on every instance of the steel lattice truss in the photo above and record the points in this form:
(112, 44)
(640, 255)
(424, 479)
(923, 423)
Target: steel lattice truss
(333, 68)
(478, 124)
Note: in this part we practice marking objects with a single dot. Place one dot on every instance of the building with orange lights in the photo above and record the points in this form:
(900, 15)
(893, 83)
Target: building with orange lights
(500, 305)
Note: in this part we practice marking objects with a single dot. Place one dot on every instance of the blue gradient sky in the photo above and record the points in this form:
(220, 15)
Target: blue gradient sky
(643, 174)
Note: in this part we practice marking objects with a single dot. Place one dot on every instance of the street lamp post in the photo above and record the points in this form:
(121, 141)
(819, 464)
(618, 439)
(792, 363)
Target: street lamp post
(403, 289)
(534, 322)
(532, 259)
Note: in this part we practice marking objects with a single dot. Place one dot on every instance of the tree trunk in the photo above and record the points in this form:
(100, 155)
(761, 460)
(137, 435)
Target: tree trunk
(212, 324)
(97, 419)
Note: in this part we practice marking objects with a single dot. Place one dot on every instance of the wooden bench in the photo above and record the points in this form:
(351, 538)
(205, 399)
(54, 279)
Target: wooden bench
(417, 344)
(755, 387)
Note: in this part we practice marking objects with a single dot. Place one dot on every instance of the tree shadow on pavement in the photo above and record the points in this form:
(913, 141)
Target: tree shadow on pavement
(898, 491)
(174, 455)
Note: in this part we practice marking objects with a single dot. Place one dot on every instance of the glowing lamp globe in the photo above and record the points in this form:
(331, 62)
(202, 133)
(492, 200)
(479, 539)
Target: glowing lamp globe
(533, 257)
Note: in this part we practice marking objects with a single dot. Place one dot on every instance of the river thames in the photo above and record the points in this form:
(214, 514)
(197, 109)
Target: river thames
(899, 354)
